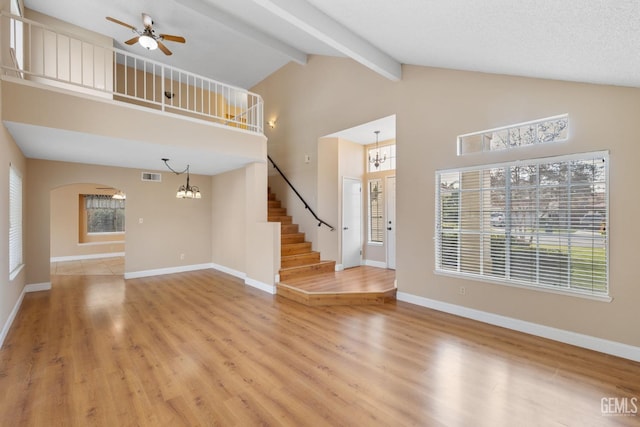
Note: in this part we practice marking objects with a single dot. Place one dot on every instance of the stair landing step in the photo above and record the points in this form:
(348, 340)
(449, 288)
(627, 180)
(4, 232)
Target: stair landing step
(304, 270)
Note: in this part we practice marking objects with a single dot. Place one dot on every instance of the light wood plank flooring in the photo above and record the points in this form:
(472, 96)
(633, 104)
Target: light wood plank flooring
(200, 348)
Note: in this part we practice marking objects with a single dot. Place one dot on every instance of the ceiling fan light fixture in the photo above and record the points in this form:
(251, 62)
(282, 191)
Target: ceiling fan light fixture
(148, 42)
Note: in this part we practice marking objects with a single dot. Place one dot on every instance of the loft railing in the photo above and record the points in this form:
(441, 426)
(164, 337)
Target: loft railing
(306, 205)
(39, 53)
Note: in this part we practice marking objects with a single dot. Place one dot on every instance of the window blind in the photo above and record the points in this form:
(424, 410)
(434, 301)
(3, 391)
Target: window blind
(15, 220)
(376, 211)
(539, 223)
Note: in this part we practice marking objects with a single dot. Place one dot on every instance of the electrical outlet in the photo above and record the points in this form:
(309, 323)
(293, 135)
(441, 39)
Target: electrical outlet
(462, 290)
(181, 256)
(140, 220)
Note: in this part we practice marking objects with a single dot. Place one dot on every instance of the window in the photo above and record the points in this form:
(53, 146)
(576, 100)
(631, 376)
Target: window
(551, 129)
(104, 214)
(15, 222)
(376, 211)
(539, 223)
(385, 151)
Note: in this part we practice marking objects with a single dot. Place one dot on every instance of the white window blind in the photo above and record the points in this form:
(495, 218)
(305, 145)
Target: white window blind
(15, 220)
(539, 223)
(376, 211)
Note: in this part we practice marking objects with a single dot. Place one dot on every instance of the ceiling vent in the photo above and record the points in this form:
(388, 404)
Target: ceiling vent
(151, 176)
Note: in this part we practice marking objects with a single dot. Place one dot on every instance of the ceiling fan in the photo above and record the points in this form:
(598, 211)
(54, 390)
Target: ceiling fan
(148, 37)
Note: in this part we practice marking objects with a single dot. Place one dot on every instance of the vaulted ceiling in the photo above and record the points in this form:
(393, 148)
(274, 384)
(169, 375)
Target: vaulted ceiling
(241, 42)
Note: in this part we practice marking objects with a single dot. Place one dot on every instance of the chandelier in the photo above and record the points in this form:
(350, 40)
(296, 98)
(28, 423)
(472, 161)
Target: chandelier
(377, 161)
(185, 191)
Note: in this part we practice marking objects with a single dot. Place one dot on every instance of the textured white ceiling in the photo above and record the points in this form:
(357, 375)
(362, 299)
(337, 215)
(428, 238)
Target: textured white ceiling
(241, 42)
(579, 40)
(594, 41)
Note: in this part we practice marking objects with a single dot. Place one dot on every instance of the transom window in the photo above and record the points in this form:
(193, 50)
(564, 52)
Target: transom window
(387, 152)
(539, 223)
(551, 129)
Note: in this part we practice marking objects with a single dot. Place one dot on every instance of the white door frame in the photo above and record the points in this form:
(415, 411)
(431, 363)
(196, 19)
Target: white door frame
(390, 222)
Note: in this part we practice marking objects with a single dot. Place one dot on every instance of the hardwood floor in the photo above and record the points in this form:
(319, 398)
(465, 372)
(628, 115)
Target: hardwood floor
(200, 348)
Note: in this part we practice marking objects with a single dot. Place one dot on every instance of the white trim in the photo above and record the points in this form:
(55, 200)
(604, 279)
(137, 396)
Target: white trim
(15, 272)
(169, 270)
(11, 318)
(270, 289)
(230, 271)
(37, 287)
(81, 257)
(106, 242)
(16, 307)
(378, 264)
(339, 267)
(568, 337)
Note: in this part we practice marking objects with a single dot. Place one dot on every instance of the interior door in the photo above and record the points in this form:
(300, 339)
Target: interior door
(391, 221)
(351, 222)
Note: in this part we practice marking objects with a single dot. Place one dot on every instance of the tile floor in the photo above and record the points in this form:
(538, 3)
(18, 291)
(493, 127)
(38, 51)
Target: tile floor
(89, 267)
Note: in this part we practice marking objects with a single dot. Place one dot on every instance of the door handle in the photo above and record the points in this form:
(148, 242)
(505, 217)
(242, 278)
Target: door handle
(389, 228)
(345, 228)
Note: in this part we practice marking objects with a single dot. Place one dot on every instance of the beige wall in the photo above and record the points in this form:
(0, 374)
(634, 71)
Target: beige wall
(241, 238)
(10, 290)
(170, 227)
(433, 106)
(66, 237)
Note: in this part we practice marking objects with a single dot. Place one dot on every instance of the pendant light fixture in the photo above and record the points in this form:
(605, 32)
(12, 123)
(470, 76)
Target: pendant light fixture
(185, 191)
(377, 161)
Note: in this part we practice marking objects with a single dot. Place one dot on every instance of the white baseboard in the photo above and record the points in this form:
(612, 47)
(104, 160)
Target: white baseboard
(81, 257)
(235, 273)
(12, 316)
(378, 264)
(16, 307)
(230, 271)
(339, 267)
(37, 287)
(169, 270)
(580, 340)
(270, 289)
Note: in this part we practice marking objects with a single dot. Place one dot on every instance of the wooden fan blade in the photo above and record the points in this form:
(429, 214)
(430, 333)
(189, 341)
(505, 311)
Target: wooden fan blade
(124, 24)
(171, 38)
(133, 40)
(164, 49)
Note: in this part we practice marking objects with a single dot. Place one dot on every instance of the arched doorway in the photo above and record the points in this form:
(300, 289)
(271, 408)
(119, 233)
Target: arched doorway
(87, 230)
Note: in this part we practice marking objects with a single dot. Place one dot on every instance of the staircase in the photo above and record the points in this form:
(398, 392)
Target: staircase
(297, 258)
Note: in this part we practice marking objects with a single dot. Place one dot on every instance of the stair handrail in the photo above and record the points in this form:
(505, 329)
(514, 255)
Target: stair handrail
(306, 205)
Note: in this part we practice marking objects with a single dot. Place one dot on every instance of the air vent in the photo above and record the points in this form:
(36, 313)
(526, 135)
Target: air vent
(151, 176)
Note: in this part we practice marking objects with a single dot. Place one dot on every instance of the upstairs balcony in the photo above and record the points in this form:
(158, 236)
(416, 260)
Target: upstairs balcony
(40, 54)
